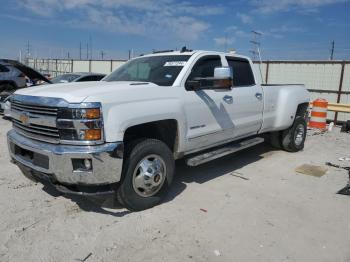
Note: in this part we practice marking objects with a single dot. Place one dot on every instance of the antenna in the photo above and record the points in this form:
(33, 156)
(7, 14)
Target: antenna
(256, 52)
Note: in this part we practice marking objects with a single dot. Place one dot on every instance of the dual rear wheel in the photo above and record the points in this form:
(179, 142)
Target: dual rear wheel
(293, 138)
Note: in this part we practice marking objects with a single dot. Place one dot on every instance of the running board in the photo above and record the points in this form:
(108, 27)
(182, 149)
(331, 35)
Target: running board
(223, 151)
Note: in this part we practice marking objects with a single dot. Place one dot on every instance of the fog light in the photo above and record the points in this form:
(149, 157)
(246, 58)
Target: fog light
(82, 165)
(87, 164)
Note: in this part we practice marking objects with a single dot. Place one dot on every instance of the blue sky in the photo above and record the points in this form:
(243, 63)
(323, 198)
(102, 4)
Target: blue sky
(299, 29)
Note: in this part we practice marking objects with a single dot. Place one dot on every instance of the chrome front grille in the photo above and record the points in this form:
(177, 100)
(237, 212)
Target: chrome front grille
(35, 121)
(34, 109)
(54, 120)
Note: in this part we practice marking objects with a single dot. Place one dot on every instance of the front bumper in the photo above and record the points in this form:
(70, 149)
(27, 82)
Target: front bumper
(56, 161)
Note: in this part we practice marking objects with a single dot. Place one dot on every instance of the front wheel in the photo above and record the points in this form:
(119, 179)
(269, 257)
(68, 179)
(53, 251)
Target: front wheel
(293, 138)
(147, 174)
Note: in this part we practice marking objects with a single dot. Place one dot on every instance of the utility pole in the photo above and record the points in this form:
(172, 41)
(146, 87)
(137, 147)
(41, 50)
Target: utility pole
(87, 51)
(225, 43)
(28, 53)
(102, 54)
(90, 41)
(80, 50)
(332, 51)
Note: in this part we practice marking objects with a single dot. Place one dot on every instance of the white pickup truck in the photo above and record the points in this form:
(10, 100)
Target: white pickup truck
(123, 134)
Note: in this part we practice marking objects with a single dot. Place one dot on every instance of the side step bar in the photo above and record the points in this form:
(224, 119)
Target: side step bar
(223, 151)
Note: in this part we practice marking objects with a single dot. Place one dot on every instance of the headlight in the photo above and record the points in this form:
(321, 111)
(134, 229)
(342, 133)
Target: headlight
(79, 113)
(80, 124)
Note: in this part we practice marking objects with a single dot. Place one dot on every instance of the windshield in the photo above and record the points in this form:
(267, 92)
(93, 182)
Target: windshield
(64, 78)
(160, 70)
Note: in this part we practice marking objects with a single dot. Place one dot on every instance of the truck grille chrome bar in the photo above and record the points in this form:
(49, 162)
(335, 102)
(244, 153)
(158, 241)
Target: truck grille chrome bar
(39, 110)
(42, 118)
(35, 121)
(37, 132)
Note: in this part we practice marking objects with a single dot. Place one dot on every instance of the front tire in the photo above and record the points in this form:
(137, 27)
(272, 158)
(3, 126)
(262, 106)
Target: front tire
(293, 138)
(147, 175)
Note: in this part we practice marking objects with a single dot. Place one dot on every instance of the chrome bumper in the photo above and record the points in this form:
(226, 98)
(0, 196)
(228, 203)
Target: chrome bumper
(56, 161)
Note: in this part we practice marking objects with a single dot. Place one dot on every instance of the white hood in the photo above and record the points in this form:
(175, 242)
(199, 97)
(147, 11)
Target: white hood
(80, 91)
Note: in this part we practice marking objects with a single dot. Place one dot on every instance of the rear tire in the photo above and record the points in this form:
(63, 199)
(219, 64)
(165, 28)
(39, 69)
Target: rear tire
(293, 138)
(147, 175)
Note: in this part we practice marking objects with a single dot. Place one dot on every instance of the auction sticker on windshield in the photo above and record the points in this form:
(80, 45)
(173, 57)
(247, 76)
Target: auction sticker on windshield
(175, 63)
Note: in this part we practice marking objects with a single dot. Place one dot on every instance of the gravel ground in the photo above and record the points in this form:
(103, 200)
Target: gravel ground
(249, 206)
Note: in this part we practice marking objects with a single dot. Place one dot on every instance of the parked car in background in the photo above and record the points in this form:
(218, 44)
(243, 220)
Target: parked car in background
(77, 77)
(15, 75)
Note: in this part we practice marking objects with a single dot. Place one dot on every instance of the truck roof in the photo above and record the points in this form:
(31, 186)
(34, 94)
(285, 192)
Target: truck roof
(191, 52)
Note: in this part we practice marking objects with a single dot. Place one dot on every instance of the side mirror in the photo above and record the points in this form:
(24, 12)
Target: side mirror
(223, 73)
(222, 80)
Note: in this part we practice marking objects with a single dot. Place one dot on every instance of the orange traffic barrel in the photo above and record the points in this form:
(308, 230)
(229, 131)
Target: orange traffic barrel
(318, 114)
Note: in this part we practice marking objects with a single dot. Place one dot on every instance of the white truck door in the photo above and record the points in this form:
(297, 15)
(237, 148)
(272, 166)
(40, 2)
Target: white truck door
(247, 99)
(207, 115)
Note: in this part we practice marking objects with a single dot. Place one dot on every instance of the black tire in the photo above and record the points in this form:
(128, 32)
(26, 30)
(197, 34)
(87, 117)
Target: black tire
(130, 197)
(275, 139)
(293, 138)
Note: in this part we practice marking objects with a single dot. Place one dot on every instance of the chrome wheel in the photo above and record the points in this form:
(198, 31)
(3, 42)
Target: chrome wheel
(299, 135)
(149, 176)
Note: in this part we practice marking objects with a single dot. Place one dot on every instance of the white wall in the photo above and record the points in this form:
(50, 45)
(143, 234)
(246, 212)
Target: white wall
(315, 75)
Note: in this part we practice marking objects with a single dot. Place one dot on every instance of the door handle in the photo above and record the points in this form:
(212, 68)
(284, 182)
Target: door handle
(259, 96)
(228, 99)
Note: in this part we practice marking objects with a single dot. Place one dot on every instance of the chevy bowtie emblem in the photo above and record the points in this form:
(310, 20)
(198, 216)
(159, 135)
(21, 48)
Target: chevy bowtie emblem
(24, 118)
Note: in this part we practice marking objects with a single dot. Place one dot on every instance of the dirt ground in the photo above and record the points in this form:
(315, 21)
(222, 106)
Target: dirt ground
(249, 206)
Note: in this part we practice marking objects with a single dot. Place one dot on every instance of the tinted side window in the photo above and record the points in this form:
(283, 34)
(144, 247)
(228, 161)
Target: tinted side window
(242, 72)
(4, 69)
(205, 66)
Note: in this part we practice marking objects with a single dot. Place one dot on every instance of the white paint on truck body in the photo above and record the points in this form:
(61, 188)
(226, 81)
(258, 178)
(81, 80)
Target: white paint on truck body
(205, 118)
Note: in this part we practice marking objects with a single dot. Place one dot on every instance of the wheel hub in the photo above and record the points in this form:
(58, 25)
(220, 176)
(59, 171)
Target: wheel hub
(299, 134)
(149, 176)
